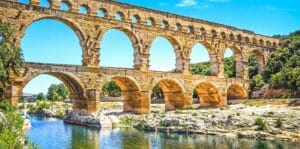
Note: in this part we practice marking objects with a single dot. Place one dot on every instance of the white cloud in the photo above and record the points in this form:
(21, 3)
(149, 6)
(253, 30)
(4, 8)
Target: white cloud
(219, 1)
(187, 3)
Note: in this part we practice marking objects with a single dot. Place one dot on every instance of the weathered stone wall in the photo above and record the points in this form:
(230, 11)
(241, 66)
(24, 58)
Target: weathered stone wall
(85, 85)
(182, 32)
(85, 82)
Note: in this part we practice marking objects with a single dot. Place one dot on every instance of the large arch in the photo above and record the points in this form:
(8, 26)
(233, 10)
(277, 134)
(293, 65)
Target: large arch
(236, 92)
(127, 34)
(238, 60)
(260, 59)
(173, 92)
(73, 83)
(167, 42)
(70, 24)
(209, 54)
(209, 95)
(131, 93)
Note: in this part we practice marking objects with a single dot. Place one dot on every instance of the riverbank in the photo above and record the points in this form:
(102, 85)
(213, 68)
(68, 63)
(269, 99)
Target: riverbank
(264, 120)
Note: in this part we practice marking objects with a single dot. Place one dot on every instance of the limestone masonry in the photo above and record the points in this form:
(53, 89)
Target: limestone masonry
(142, 26)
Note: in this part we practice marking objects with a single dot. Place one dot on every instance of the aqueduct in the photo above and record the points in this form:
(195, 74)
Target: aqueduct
(142, 26)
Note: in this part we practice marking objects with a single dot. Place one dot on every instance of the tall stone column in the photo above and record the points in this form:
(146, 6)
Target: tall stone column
(93, 100)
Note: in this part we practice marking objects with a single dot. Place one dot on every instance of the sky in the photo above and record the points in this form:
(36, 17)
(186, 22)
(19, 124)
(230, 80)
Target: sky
(51, 41)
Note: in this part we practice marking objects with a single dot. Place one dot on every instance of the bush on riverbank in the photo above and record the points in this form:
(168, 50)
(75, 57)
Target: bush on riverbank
(11, 127)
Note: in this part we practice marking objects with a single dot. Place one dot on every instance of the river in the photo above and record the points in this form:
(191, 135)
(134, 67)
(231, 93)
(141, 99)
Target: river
(51, 133)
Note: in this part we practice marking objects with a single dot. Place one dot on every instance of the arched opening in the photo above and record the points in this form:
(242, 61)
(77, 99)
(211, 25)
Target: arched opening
(57, 43)
(208, 95)
(256, 63)
(117, 55)
(236, 92)
(136, 19)
(164, 25)
(111, 92)
(102, 13)
(45, 3)
(83, 9)
(65, 6)
(150, 22)
(178, 27)
(162, 55)
(131, 95)
(56, 87)
(24, 1)
(170, 93)
(233, 64)
(119, 16)
(200, 61)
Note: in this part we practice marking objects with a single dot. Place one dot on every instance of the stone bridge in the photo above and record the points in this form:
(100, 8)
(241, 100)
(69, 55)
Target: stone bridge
(142, 26)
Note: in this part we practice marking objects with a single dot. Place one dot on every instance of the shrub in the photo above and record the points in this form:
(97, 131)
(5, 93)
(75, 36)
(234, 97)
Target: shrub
(60, 113)
(262, 124)
(279, 123)
(271, 113)
(188, 107)
(238, 114)
(194, 114)
(213, 116)
(178, 111)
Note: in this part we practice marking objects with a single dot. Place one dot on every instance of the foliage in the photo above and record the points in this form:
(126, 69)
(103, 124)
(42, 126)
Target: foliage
(278, 123)
(58, 92)
(60, 113)
(261, 124)
(11, 130)
(111, 89)
(257, 82)
(283, 68)
(229, 67)
(202, 68)
(157, 92)
(40, 105)
(40, 97)
(252, 65)
(11, 57)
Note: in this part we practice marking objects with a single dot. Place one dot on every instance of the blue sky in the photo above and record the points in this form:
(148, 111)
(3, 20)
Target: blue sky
(51, 41)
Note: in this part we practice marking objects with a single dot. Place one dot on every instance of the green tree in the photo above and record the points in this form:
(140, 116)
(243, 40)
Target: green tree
(229, 67)
(11, 57)
(157, 92)
(202, 68)
(58, 92)
(283, 68)
(111, 89)
(252, 65)
(257, 82)
(40, 97)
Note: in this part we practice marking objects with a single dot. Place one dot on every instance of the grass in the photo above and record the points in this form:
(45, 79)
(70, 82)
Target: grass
(263, 102)
(262, 124)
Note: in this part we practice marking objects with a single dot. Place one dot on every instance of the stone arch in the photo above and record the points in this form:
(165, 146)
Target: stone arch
(177, 50)
(68, 3)
(86, 9)
(121, 15)
(73, 83)
(239, 66)
(136, 19)
(44, 3)
(260, 59)
(236, 92)
(134, 41)
(212, 56)
(75, 28)
(209, 95)
(102, 12)
(173, 94)
(131, 93)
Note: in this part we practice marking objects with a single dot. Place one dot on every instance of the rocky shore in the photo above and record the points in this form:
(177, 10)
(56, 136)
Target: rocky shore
(264, 120)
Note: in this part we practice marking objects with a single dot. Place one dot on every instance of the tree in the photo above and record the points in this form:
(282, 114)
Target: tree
(111, 89)
(252, 65)
(229, 67)
(40, 97)
(58, 92)
(11, 57)
(202, 68)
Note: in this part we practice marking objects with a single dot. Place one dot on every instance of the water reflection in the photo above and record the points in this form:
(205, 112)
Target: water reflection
(54, 134)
